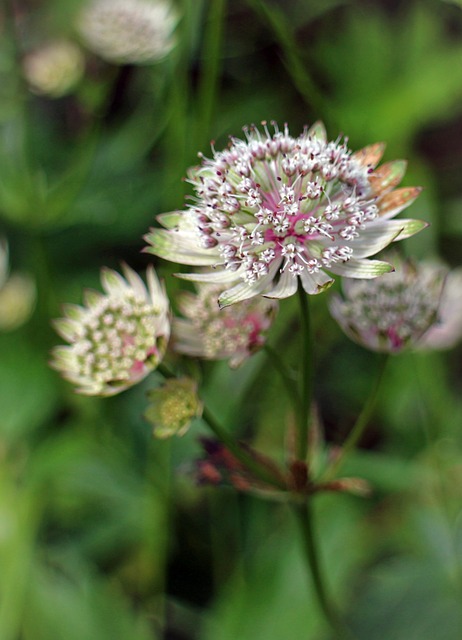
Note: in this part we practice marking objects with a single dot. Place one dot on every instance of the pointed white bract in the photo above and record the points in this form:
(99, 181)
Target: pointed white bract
(272, 210)
(393, 312)
(118, 337)
(233, 334)
(447, 332)
(128, 31)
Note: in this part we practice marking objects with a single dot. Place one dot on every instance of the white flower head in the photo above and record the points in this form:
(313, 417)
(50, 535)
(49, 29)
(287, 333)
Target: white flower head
(55, 68)
(393, 312)
(128, 31)
(233, 333)
(272, 209)
(118, 337)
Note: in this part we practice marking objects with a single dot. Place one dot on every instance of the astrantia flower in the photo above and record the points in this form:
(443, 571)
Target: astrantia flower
(117, 338)
(394, 311)
(272, 209)
(209, 332)
(128, 31)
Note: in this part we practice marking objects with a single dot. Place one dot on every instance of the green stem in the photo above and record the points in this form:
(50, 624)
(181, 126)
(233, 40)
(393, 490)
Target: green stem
(282, 27)
(305, 521)
(230, 443)
(211, 56)
(306, 375)
(286, 377)
(362, 421)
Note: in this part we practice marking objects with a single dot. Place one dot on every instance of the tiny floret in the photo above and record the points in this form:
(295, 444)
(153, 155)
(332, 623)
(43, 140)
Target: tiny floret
(117, 338)
(393, 312)
(273, 209)
(232, 334)
(128, 31)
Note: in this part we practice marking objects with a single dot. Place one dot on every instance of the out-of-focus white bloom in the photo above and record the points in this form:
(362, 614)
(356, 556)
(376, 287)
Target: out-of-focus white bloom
(233, 334)
(128, 31)
(17, 294)
(55, 68)
(273, 209)
(393, 312)
(447, 332)
(116, 339)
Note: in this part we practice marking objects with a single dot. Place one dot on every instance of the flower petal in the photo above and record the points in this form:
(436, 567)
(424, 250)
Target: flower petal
(371, 155)
(314, 283)
(179, 247)
(287, 286)
(318, 131)
(409, 228)
(361, 268)
(395, 201)
(387, 176)
(215, 277)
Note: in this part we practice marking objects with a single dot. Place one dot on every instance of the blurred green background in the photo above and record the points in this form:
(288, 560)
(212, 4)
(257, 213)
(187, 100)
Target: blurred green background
(103, 532)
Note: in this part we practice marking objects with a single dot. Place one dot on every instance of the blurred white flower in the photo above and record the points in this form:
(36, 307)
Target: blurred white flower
(128, 31)
(272, 210)
(54, 69)
(17, 294)
(393, 312)
(116, 339)
(233, 333)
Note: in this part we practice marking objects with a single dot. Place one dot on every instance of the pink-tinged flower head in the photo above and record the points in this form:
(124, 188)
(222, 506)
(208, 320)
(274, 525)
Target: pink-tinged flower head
(117, 338)
(393, 312)
(272, 209)
(233, 334)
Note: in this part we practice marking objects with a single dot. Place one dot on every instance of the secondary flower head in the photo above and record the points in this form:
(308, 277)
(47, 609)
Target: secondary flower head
(55, 68)
(272, 209)
(128, 31)
(118, 337)
(393, 312)
(209, 332)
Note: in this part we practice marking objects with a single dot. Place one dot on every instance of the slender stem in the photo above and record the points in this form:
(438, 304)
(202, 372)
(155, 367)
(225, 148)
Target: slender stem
(306, 374)
(211, 67)
(282, 27)
(285, 376)
(245, 458)
(362, 421)
(305, 522)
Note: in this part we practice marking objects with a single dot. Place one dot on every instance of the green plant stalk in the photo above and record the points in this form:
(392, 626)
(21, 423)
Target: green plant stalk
(306, 375)
(362, 421)
(211, 55)
(304, 519)
(285, 376)
(293, 61)
(230, 443)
